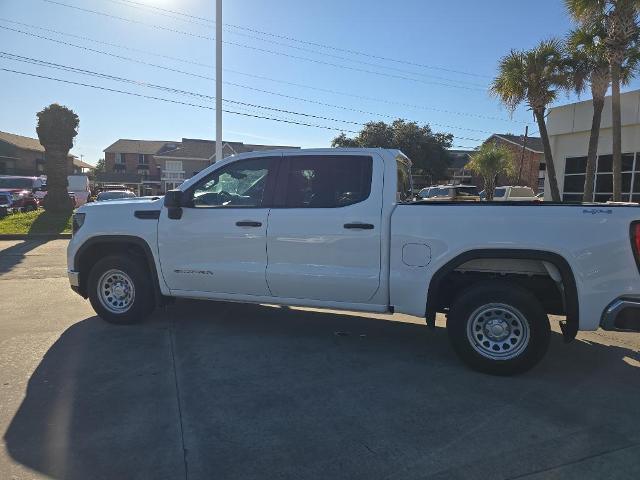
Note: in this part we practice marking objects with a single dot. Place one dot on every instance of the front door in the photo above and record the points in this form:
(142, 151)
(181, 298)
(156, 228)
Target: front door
(324, 237)
(219, 243)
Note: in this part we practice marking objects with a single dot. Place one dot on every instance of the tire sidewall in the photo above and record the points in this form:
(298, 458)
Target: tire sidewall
(143, 301)
(516, 297)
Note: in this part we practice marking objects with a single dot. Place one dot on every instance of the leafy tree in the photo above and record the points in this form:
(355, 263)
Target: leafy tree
(57, 127)
(534, 76)
(619, 21)
(101, 167)
(426, 149)
(589, 68)
(489, 161)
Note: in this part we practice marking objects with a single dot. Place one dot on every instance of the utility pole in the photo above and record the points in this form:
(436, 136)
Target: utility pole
(524, 146)
(218, 80)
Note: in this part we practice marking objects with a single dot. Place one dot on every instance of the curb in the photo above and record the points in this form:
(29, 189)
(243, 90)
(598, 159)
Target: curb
(35, 236)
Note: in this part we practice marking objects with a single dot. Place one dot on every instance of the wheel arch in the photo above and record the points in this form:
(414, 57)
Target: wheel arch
(102, 245)
(569, 329)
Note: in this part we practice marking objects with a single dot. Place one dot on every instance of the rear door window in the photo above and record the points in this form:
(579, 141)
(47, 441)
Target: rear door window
(327, 181)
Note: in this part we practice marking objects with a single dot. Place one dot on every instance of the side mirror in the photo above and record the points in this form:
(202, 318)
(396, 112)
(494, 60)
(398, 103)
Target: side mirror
(173, 202)
(173, 199)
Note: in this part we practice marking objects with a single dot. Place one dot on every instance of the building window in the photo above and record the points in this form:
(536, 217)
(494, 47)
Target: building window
(575, 174)
(142, 159)
(120, 159)
(173, 170)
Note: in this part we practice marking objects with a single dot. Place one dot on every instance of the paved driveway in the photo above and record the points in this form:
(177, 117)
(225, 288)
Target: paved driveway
(208, 390)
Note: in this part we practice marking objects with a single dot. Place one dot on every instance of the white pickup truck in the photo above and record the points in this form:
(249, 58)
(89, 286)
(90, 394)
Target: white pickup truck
(336, 228)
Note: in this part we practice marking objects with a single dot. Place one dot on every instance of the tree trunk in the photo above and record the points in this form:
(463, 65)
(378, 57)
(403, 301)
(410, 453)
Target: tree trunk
(57, 198)
(490, 186)
(616, 126)
(548, 157)
(598, 105)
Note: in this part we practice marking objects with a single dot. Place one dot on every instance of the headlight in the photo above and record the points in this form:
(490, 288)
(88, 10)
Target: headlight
(78, 221)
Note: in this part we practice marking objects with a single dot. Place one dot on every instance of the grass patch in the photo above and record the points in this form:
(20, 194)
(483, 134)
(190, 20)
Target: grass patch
(37, 222)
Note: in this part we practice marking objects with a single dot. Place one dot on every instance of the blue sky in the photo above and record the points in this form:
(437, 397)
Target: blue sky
(458, 43)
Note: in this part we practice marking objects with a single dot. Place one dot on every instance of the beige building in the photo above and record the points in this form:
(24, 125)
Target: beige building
(20, 155)
(569, 129)
(152, 167)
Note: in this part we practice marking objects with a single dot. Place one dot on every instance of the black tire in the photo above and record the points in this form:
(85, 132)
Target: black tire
(480, 310)
(142, 302)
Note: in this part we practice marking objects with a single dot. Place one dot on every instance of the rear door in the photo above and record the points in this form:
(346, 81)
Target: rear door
(324, 235)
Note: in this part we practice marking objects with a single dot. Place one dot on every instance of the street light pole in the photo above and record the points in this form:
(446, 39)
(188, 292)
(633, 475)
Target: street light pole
(218, 80)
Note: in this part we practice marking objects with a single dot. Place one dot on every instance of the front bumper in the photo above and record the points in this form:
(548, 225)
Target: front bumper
(74, 280)
(622, 315)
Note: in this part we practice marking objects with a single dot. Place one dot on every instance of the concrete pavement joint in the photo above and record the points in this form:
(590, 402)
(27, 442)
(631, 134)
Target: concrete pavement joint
(175, 378)
(575, 462)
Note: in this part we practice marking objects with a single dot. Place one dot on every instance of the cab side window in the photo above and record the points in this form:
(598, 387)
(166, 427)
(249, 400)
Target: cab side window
(327, 181)
(239, 184)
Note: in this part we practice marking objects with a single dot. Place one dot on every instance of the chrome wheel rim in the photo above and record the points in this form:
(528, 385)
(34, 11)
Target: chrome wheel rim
(116, 291)
(498, 331)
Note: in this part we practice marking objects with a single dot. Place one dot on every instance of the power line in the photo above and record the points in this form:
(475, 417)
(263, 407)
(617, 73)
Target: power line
(273, 52)
(251, 75)
(101, 42)
(233, 30)
(150, 97)
(293, 39)
(35, 61)
(69, 68)
(206, 77)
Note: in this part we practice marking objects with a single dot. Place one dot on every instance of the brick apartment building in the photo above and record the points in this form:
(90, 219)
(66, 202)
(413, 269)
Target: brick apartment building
(21, 155)
(151, 167)
(533, 163)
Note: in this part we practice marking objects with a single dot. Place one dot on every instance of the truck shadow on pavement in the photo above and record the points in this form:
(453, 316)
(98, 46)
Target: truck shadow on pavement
(219, 390)
(14, 255)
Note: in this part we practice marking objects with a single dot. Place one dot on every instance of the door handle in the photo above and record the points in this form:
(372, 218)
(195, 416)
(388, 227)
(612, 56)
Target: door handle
(359, 226)
(248, 223)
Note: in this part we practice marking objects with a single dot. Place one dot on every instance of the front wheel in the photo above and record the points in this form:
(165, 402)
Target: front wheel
(119, 290)
(498, 328)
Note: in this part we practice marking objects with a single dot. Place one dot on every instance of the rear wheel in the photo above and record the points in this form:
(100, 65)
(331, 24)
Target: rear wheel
(119, 290)
(498, 328)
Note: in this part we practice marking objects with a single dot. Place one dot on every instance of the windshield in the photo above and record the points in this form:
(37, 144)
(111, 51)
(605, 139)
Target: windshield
(24, 183)
(114, 195)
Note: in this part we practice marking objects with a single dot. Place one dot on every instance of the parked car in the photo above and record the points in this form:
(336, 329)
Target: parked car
(453, 193)
(512, 194)
(115, 186)
(114, 195)
(78, 185)
(5, 204)
(22, 191)
(424, 193)
(337, 228)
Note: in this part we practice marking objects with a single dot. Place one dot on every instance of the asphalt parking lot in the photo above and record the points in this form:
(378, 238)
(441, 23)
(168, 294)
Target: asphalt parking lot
(228, 391)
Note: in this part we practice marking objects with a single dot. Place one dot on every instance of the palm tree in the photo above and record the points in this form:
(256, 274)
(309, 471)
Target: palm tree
(619, 19)
(590, 69)
(534, 76)
(57, 127)
(489, 161)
